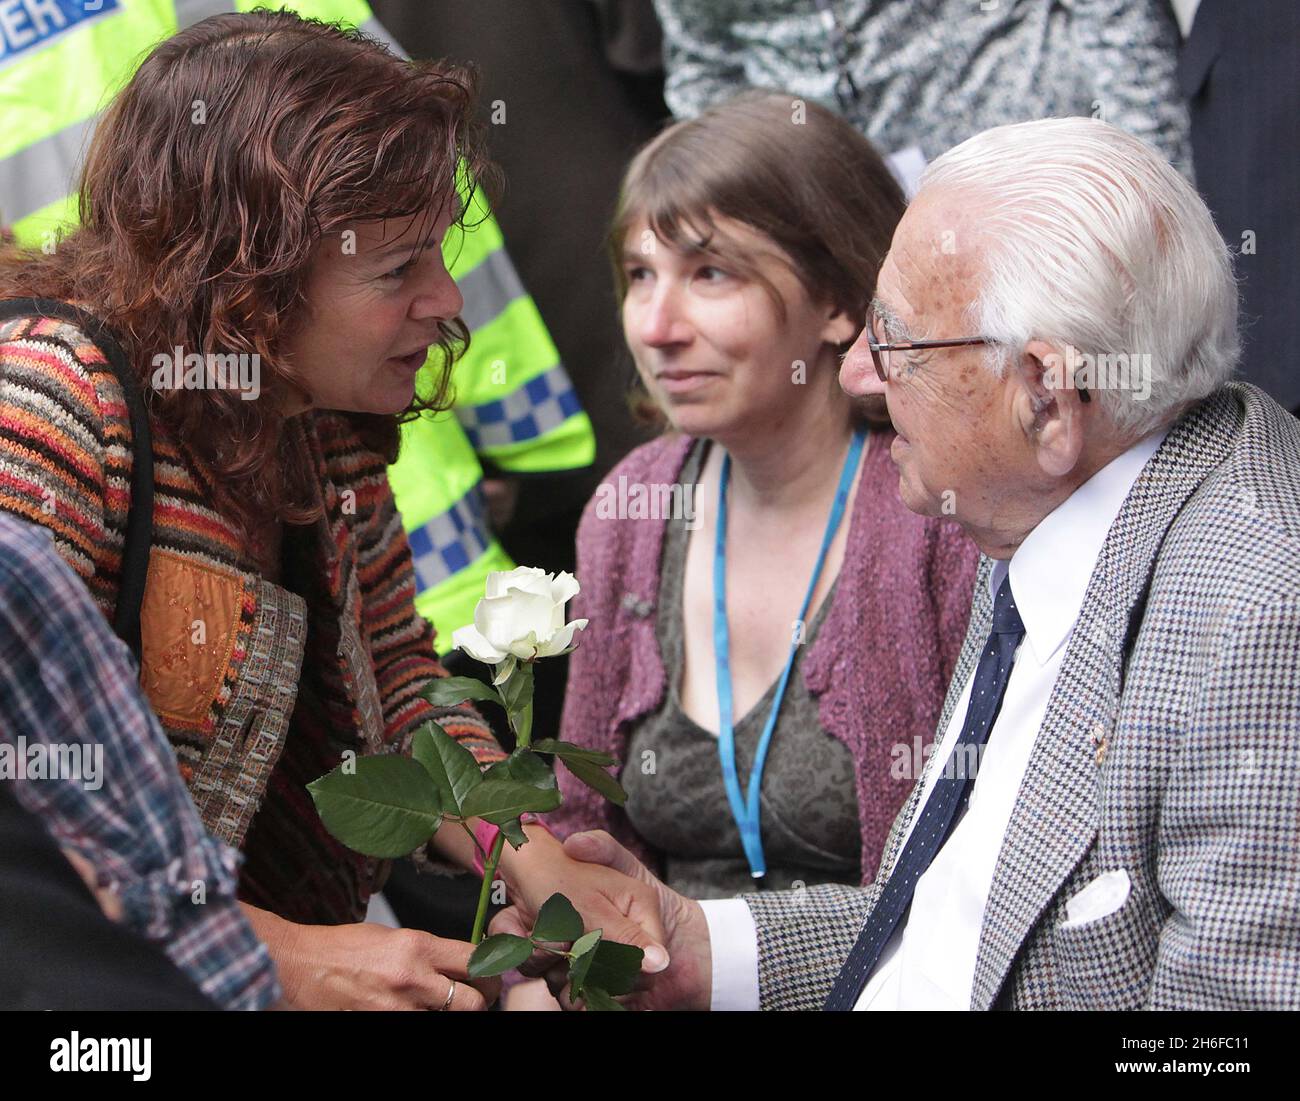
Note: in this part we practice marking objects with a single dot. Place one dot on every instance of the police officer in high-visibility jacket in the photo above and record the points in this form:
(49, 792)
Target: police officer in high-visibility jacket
(61, 61)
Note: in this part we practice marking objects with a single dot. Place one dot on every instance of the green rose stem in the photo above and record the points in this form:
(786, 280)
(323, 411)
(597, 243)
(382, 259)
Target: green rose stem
(522, 739)
(489, 873)
(386, 805)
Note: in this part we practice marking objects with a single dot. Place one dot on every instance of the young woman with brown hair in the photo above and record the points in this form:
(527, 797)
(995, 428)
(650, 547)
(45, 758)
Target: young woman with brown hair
(799, 624)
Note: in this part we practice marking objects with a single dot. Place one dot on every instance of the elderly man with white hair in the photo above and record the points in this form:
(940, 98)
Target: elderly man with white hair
(1107, 819)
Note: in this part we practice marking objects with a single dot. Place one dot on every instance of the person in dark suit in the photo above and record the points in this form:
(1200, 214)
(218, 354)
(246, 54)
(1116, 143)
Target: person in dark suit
(1240, 72)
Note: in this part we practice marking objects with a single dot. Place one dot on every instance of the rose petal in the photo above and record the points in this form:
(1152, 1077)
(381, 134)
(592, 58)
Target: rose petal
(526, 648)
(500, 582)
(564, 588)
(494, 586)
(505, 620)
(535, 586)
(561, 640)
(473, 643)
(528, 579)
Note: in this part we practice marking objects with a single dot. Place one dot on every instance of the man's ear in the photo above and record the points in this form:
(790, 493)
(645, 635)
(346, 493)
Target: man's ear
(840, 328)
(1048, 408)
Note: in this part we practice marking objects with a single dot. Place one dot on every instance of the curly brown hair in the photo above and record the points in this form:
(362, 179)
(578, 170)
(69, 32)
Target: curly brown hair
(237, 146)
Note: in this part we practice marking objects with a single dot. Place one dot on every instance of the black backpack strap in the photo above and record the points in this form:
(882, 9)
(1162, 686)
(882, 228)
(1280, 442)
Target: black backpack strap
(139, 517)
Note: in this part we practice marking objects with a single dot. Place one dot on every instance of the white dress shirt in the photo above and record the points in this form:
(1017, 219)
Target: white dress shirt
(1185, 13)
(929, 962)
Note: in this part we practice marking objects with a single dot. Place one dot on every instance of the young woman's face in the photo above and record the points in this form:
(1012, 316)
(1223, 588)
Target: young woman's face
(710, 344)
(374, 301)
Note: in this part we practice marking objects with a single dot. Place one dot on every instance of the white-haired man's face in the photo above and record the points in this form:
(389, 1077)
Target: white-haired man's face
(989, 452)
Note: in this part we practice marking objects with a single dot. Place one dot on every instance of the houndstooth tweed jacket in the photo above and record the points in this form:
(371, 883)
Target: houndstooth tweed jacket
(1170, 749)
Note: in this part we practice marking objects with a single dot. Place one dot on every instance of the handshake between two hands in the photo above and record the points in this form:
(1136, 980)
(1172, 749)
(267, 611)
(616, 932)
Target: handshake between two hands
(585, 914)
(613, 892)
(368, 966)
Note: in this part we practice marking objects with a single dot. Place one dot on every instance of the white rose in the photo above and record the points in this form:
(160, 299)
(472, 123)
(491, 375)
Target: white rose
(521, 617)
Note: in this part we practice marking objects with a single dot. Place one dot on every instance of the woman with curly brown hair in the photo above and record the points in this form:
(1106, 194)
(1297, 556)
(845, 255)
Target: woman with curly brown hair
(263, 210)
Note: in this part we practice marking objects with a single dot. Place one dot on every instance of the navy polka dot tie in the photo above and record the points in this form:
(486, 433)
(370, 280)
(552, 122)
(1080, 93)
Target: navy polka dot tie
(949, 796)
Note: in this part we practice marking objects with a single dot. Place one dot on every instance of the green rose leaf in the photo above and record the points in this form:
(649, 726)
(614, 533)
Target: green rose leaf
(498, 801)
(597, 779)
(524, 766)
(567, 751)
(381, 806)
(514, 832)
(449, 691)
(498, 954)
(581, 954)
(451, 765)
(615, 967)
(597, 1001)
(557, 921)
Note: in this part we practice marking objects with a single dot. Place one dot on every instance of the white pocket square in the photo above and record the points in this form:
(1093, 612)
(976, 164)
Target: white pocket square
(1103, 896)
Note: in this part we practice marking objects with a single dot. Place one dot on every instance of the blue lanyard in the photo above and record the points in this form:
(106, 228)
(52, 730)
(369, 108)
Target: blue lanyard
(746, 811)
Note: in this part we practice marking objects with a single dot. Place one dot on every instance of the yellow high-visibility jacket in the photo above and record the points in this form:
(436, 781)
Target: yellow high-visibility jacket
(61, 62)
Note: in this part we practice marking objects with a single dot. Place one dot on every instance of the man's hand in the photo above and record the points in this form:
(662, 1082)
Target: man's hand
(368, 966)
(681, 979)
(624, 907)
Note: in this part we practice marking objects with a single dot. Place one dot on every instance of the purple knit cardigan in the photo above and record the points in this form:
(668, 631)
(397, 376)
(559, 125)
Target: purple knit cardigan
(879, 667)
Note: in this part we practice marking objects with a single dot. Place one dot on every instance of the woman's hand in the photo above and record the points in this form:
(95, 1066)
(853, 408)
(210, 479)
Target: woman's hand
(368, 966)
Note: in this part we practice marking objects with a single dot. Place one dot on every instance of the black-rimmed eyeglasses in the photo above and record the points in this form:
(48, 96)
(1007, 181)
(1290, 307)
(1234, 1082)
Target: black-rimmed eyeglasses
(880, 353)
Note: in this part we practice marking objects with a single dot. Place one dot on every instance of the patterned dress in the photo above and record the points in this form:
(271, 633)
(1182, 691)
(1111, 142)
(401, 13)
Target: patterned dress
(930, 73)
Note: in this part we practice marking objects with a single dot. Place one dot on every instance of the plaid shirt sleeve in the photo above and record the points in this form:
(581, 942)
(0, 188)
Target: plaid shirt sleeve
(99, 772)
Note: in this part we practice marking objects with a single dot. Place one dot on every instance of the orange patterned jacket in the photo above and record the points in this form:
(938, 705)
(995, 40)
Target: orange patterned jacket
(260, 687)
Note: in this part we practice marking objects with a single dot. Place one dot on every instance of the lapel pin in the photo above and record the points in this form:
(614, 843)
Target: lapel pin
(1097, 737)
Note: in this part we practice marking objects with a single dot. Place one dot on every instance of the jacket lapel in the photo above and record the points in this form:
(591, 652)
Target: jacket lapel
(1054, 819)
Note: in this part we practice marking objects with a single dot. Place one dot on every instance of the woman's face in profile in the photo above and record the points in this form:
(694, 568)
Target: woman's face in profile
(375, 295)
(710, 343)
